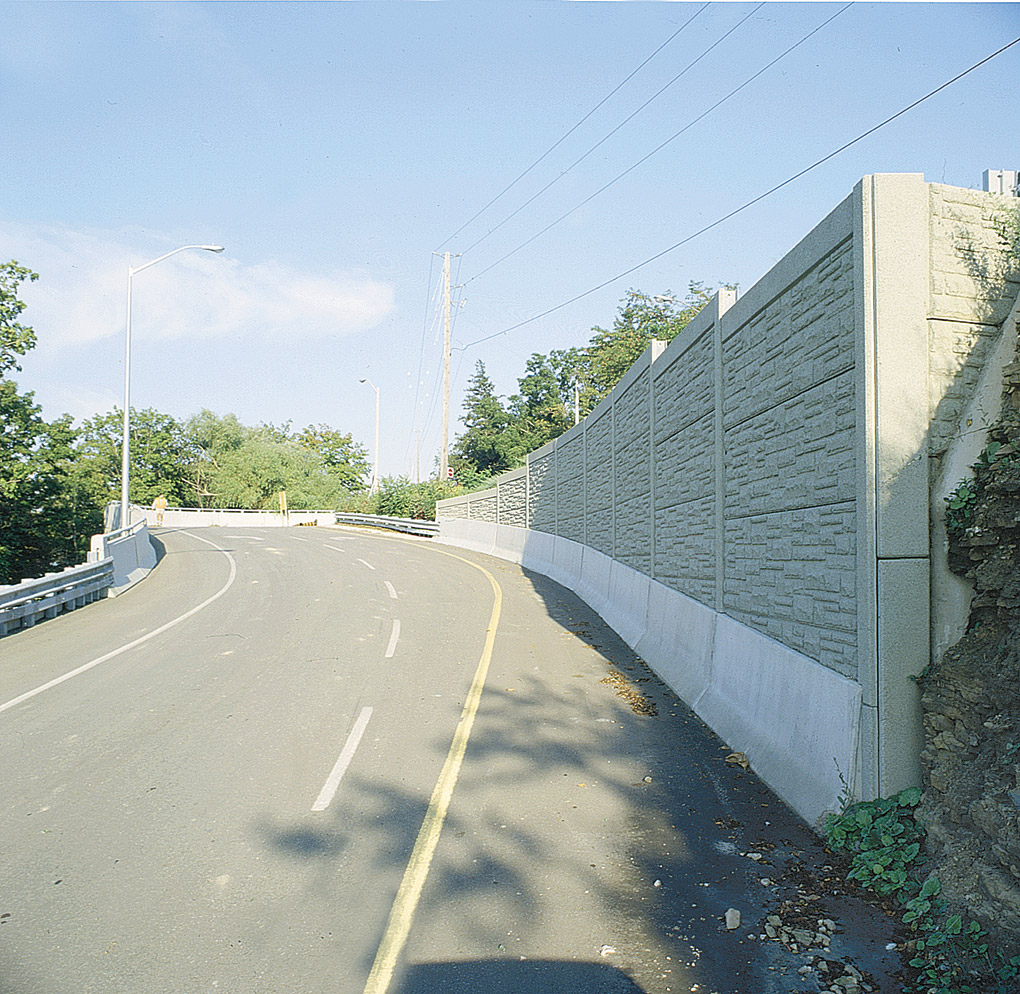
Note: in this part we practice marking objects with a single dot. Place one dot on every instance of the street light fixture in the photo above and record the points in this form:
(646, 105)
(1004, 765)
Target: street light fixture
(125, 452)
(374, 485)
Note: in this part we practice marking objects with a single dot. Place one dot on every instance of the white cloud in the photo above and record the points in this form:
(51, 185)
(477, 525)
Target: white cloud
(80, 295)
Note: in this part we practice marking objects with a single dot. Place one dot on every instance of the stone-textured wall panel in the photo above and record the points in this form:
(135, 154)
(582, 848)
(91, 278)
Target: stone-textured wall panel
(484, 509)
(634, 533)
(513, 502)
(971, 278)
(956, 359)
(793, 576)
(800, 339)
(684, 390)
(542, 477)
(599, 530)
(797, 454)
(570, 476)
(572, 527)
(685, 548)
(599, 483)
(633, 418)
(685, 463)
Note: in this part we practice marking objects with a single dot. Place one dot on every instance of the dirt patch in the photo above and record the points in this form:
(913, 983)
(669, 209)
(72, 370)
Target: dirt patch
(625, 689)
(971, 700)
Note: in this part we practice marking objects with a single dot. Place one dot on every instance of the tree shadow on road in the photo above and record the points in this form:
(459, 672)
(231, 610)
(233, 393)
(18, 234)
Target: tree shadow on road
(594, 804)
(500, 976)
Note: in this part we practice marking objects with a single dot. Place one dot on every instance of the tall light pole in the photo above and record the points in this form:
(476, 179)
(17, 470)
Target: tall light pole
(374, 485)
(125, 452)
(444, 451)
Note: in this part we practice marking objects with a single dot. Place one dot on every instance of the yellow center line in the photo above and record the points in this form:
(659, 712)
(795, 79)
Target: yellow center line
(398, 926)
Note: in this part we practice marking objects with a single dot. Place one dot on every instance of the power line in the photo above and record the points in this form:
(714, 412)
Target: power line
(750, 203)
(421, 348)
(429, 301)
(606, 138)
(567, 134)
(659, 148)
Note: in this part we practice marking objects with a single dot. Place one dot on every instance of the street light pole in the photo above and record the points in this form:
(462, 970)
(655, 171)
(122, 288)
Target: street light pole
(125, 451)
(374, 485)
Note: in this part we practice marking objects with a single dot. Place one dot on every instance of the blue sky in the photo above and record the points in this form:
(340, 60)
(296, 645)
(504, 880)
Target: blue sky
(332, 148)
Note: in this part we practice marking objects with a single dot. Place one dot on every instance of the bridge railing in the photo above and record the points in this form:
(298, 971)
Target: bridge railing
(23, 604)
(411, 526)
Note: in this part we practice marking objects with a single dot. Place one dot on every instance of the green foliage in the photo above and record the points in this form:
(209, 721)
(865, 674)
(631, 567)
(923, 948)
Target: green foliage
(15, 339)
(161, 456)
(960, 507)
(498, 436)
(642, 318)
(237, 466)
(884, 843)
(346, 460)
(488, 446)
(996, 457)
(45, 517)
(398, 497)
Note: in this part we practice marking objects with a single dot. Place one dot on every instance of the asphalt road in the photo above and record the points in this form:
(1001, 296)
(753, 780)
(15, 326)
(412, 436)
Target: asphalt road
(310, 760)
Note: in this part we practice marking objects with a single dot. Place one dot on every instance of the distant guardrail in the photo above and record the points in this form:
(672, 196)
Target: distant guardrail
(23, 604)
(412, 526)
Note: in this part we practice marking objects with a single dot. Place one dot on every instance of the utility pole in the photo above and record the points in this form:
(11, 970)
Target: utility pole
(577, 404)
(444, 454)
(417, 457)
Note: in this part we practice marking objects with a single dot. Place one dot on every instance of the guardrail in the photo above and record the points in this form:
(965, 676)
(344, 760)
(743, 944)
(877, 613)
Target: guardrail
(23, 604)
(412, 526)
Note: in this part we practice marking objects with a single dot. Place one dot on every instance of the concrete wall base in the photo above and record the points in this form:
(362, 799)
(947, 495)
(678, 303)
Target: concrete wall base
(797, 721)
(133, 555)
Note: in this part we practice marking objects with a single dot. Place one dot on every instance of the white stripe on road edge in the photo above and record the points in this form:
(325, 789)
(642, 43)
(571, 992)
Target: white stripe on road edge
(363, 563)
(389, 587)
(138, 641)
(394, 635)
(346, 755)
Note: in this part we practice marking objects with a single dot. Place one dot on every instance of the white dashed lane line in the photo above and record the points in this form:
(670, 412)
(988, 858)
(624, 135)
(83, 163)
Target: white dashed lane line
(394, 636)
(389, 587)
(340, 768)
(363, 563)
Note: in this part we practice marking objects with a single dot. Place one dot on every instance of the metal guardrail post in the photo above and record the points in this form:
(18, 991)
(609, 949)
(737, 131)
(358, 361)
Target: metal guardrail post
(410, 526)
(23, 604)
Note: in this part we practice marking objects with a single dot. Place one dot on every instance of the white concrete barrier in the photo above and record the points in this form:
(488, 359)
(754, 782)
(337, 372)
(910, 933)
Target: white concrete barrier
(678, 642)
(797, 722)
(132, 553)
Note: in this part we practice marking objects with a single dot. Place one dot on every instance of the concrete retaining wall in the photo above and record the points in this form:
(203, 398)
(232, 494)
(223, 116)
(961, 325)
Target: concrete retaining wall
(131, 551)
(750, 508)
(192, 517)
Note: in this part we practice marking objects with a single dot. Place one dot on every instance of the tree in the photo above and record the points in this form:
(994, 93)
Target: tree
(45, 518)
(539, 409)
(15, 338)
(612, 352)
(345, 459)
(483, 447)
(499, 438)
(238, 466)
(162, 457)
